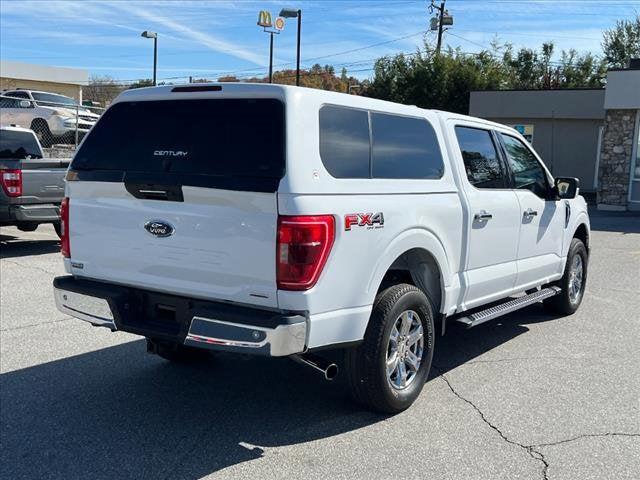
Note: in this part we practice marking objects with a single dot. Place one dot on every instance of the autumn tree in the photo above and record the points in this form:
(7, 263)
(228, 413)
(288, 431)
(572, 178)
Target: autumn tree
(103, 90)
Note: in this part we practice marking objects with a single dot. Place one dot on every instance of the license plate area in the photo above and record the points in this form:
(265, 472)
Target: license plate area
(157, 315)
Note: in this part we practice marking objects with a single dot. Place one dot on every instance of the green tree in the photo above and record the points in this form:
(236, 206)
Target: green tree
(622, 43)
(444, 81)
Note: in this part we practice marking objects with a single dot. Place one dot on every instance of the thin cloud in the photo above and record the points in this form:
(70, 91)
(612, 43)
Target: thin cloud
(206, 39)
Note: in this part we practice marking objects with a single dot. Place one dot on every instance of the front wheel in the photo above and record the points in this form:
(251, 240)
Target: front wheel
(573, 281)
(388, 370)
(41, 128)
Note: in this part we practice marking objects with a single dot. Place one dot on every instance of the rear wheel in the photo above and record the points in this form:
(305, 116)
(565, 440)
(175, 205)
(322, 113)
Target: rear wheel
(174, 352)
(573, 281)
(58, 228)
(27, 226)
(388, 370)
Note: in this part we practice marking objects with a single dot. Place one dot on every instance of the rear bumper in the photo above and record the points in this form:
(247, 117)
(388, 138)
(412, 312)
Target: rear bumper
(37, 213)
(192, 322)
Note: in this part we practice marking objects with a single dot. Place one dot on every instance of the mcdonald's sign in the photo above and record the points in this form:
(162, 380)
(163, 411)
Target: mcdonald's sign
(264, 19)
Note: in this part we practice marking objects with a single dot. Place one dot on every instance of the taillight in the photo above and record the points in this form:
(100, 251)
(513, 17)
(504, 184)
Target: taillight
(304, 243)
(65, 248)
(12, 182)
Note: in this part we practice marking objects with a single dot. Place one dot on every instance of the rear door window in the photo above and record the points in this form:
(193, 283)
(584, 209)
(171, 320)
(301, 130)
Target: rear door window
(214, 138)
(404, 147)
(344, 141)
(481, 162)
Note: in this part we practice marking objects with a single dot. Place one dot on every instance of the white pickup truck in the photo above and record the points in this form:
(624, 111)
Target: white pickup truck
(282, 221)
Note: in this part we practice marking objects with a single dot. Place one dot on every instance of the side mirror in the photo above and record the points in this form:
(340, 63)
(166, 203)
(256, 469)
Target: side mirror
(567, 187)
(25, 104)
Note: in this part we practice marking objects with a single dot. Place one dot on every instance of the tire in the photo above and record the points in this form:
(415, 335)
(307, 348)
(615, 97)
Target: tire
(58, 228)
(174, 352)
(41, 128)
(27, 226)
(570, 298)
(366, 365)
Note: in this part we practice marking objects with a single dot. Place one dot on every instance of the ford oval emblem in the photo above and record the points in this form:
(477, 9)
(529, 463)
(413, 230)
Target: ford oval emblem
(159, 228)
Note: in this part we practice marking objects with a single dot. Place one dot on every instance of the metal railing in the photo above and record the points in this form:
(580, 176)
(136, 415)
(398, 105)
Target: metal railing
(60, 127)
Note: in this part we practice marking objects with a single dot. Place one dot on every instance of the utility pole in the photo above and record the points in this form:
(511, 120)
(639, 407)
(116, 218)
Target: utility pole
(440, 26)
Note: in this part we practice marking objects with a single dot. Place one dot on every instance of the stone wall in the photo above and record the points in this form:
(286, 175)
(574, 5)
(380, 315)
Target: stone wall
(615, 158)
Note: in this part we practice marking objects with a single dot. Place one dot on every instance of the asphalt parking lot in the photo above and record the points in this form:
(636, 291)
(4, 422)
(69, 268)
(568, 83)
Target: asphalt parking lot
(530, 396)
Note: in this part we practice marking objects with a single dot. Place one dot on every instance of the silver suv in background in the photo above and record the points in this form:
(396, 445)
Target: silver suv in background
(51, 116)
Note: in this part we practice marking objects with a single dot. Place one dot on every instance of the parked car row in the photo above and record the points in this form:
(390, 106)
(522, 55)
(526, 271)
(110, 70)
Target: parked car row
(54, 118)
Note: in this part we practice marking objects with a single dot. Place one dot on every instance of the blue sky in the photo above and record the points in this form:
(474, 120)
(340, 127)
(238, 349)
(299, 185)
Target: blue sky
(209, 38)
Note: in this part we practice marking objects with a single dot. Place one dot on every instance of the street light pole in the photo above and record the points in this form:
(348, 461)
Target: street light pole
(155, 60)
(293, 13)
(154, 35)
(298, 49)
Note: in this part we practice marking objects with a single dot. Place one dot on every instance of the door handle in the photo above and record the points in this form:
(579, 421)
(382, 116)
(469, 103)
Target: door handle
(530, 213)
(482, 216)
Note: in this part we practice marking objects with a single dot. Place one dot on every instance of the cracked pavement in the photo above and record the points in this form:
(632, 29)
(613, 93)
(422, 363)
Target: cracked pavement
(527, 396)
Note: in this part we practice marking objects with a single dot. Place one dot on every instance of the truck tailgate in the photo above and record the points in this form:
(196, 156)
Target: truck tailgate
(43, 180)
(222, 245)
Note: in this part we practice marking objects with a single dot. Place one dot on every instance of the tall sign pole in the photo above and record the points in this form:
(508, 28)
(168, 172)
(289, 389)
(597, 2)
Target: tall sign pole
(272, 28)
(270, 57)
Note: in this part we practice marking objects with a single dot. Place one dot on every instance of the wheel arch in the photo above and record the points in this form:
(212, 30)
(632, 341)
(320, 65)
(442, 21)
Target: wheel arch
(579, 228)
(582, 232)
(421, 258)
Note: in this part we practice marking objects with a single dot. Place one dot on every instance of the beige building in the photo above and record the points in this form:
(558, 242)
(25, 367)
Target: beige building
(65, 81)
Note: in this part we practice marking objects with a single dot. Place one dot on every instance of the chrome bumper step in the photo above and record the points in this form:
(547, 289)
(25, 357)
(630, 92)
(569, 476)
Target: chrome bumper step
(496, 311)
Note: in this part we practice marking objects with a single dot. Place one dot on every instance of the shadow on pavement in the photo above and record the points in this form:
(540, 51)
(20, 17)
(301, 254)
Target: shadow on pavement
(120, 413)
(12, 247)
(624, 222)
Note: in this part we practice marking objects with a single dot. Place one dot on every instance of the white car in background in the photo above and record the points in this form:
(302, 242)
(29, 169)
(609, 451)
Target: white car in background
(51, 116)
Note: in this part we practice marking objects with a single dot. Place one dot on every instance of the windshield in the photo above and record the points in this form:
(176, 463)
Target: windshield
(18, 145)
(52, 99)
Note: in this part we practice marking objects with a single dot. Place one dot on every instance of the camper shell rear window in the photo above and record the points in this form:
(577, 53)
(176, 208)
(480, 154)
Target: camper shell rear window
(224, 143)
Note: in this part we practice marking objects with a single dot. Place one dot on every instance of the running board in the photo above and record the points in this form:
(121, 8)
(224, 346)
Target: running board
(511, 306)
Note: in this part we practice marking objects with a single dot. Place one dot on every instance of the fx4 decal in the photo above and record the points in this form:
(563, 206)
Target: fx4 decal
(369, 220)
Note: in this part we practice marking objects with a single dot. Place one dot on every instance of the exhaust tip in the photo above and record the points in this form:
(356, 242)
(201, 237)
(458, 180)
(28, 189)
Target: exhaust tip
(331, 372)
